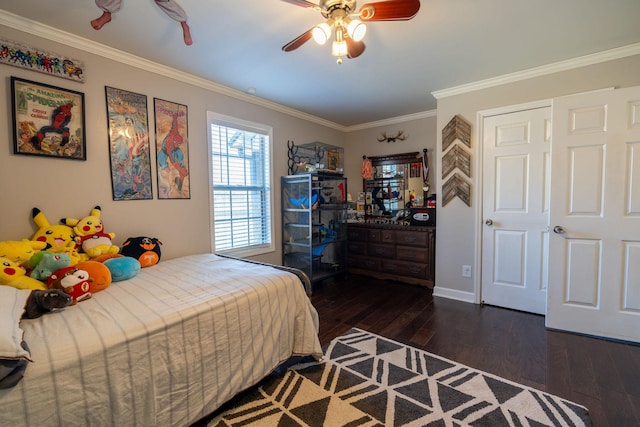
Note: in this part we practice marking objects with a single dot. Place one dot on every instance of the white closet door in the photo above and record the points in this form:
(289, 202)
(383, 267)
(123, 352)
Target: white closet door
(594, 262)
(516, 209)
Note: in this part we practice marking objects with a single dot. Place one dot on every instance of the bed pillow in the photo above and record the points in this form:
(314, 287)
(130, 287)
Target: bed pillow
(12, 302)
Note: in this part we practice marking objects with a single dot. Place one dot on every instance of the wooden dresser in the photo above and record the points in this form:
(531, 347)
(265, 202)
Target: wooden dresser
(395, 252)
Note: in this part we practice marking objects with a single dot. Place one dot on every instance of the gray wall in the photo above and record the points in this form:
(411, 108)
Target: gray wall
(421, 134)
(459, 227)
(67, 188)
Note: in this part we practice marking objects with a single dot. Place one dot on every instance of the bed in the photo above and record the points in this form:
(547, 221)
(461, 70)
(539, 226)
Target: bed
(164, 348)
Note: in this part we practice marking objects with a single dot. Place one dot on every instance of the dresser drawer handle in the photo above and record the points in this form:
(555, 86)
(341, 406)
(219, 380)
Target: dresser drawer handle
(410, 239)
(379, 251)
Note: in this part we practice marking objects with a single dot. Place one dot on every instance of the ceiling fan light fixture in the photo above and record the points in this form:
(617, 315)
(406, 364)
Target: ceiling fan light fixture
(339, 48)
(321, 33)
(356, 30)
(346, 24)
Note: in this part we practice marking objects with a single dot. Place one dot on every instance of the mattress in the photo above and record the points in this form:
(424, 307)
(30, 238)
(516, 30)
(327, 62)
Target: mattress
(164, 348)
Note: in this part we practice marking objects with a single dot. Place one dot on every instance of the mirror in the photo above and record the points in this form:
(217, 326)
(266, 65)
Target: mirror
(396, 184)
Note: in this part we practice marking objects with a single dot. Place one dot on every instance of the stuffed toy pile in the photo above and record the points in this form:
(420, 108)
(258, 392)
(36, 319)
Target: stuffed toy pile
(63, 264)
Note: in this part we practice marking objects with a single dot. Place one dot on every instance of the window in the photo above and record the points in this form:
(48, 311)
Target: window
(240, 185)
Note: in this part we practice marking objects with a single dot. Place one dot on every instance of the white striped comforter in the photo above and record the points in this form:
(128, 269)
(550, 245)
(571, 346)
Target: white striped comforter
(164, 348)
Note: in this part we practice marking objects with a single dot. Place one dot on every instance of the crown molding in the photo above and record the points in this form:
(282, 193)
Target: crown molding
(392, 121)
(54, 34)
(35, 28)
(595, 58)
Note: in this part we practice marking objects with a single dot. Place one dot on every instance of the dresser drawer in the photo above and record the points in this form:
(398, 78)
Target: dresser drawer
(390, 252)
(357, 247)
(403, 268)
(357, 234)
(374, 235)
(387, 236)
(365, 263)
(408, 253)
(380, 250)
(412, 238)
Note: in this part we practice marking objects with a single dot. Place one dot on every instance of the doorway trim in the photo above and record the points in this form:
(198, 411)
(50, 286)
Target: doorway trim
(478, 213)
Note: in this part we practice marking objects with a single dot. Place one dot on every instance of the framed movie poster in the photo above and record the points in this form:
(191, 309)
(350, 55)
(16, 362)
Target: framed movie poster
(47, 120)
(130, 158)
(172, 149)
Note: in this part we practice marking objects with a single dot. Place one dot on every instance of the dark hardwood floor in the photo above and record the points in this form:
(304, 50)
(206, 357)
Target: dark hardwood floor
(602, 375)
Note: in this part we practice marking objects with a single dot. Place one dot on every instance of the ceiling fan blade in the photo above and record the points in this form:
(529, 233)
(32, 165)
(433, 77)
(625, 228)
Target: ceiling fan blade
(301, 3)
(298, 41)
(391, 10)
(354, 48)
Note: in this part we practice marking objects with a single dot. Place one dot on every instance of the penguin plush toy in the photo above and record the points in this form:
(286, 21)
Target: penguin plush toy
(145, 249)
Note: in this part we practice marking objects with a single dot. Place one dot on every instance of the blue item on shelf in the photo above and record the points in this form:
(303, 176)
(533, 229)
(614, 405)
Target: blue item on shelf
(330, 237)
(303, 202)
(317, 250)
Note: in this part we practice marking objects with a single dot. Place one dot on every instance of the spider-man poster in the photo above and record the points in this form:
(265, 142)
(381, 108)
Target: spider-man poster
(172, 150)
(47, 120)
(129, 145)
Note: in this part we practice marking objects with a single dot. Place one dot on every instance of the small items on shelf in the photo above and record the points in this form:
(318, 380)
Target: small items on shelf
(315, 157)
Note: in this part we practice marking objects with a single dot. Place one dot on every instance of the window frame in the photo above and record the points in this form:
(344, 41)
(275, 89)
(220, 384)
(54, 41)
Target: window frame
(214, 118)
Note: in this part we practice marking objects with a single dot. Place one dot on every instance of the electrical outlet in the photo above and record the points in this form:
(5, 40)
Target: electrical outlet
(466, 271)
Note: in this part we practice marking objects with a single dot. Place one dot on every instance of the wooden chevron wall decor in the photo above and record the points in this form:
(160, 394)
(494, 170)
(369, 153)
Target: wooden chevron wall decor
(456, 186)
(456, 160)
(457, 129)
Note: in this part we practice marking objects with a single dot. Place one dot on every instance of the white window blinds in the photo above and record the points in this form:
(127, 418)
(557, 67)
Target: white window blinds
(241, 185)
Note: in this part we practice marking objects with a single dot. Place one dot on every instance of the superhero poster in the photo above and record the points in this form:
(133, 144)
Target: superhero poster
(47, 120)
(172, 150)
(129, 145)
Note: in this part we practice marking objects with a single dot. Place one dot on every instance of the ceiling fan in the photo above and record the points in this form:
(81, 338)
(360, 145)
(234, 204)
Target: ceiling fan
(347, 25)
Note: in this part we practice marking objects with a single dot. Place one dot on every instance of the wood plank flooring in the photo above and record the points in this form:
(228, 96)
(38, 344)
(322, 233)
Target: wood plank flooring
(602, 375)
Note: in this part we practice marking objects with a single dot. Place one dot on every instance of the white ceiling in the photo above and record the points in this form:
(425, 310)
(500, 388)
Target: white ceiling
(450, 43)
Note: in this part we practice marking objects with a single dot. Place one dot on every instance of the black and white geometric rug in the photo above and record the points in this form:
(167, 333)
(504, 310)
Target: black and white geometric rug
(369, 380)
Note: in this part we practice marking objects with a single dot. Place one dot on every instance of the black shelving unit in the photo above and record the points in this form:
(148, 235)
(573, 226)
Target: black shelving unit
(314, 231)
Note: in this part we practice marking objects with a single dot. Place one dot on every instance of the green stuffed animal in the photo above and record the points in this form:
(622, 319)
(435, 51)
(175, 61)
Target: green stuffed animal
(45, 263)
(13, 274)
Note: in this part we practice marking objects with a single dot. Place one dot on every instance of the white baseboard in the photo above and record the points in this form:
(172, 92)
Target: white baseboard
(455, 294)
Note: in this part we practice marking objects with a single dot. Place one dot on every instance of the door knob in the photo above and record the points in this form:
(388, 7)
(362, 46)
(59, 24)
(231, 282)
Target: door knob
(558, 230)
(489, 222)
